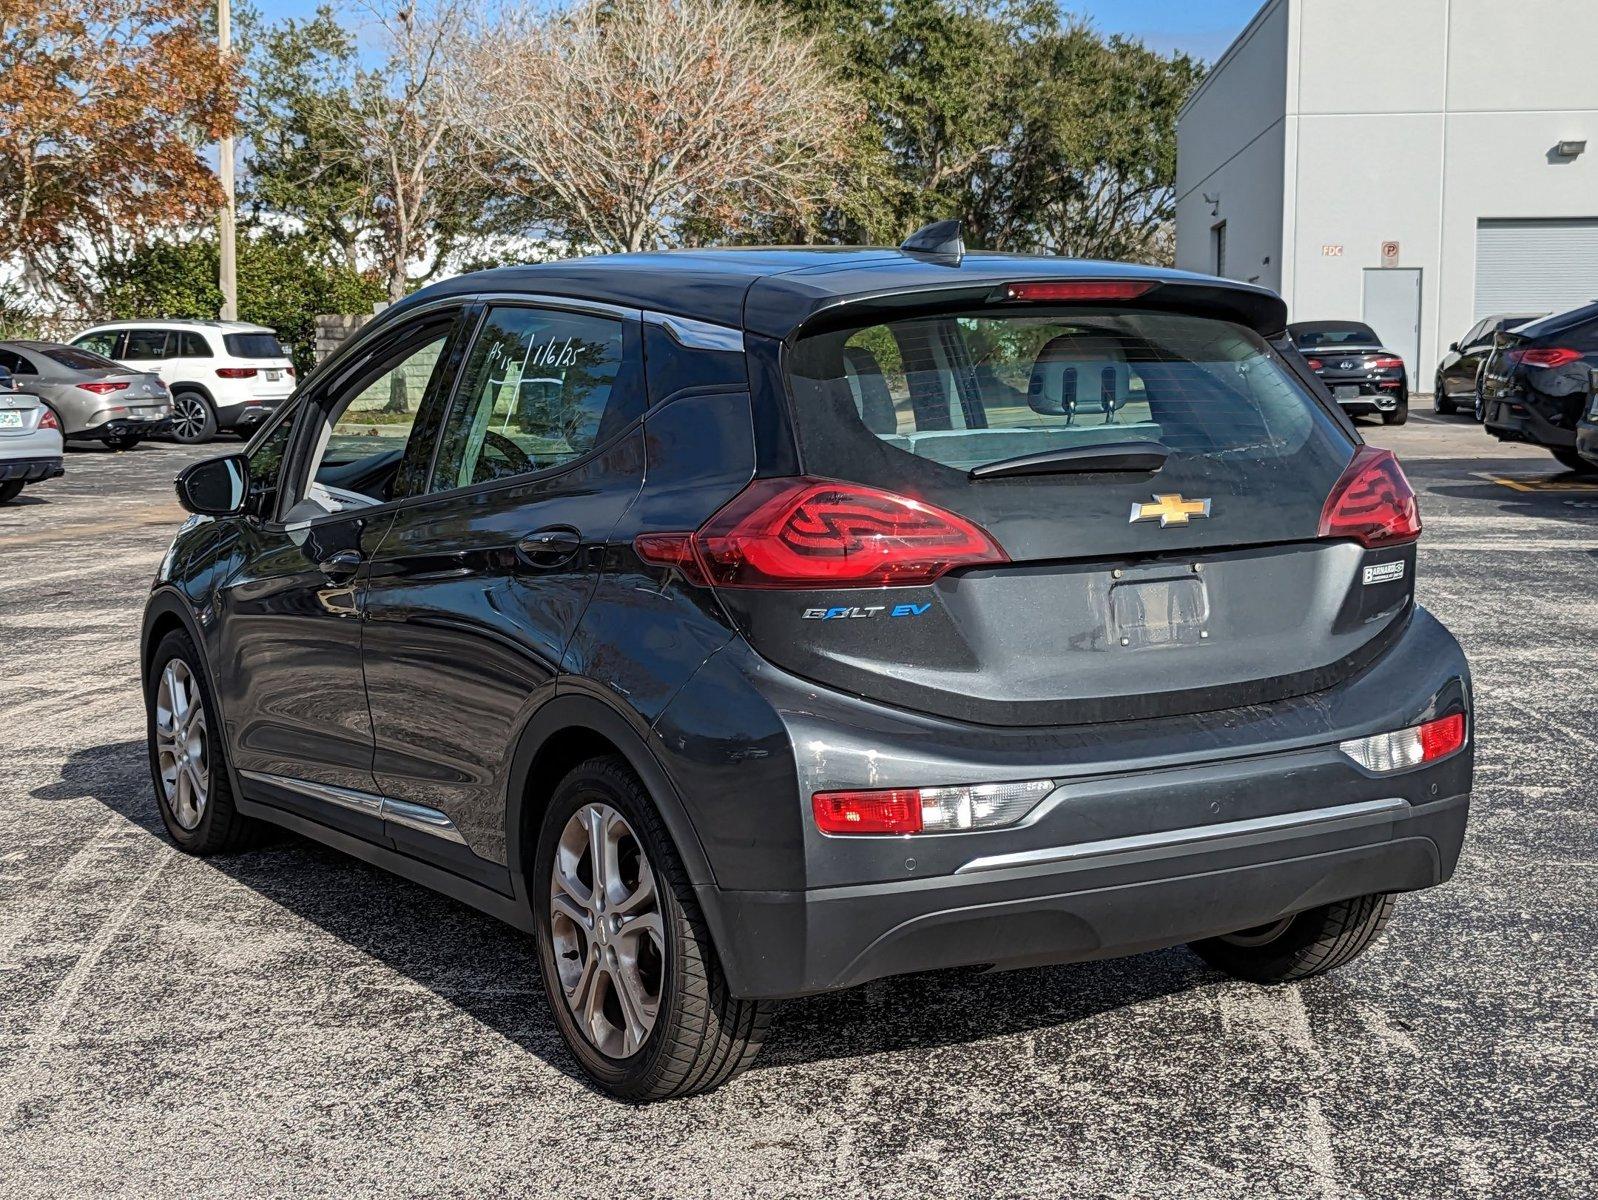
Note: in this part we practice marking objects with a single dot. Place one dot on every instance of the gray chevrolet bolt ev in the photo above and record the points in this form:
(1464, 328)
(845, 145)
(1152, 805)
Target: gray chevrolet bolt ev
(753, 623)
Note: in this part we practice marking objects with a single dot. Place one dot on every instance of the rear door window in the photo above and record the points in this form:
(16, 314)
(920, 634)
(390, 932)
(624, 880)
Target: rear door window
(915, 405)
(146, 345)
(105, 342)
(189, 344)
(542, 387)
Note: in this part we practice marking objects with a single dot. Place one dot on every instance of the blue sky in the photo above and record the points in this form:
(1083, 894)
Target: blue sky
(1201, 27)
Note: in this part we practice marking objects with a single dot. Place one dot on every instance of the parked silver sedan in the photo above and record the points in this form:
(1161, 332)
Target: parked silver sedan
(30, 440)
(94, 398)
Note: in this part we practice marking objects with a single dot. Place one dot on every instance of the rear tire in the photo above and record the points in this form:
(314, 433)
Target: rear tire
(1574, 462)
(193, 418)
(188, 760)
(1399, 415)
(10, 490)
(698, 1035)
(1297, 947)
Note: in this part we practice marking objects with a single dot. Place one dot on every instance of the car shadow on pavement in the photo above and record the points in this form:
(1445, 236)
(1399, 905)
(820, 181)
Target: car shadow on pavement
(489, 971)
(1577, 506)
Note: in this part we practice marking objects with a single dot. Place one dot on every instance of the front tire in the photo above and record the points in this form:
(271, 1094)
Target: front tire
(193, 418)
(1305, 944)
(630, 972)
(187, 761)
(1441, 404)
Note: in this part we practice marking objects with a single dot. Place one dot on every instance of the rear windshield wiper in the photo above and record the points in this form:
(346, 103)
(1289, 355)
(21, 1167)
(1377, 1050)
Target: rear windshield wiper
(1106, 456)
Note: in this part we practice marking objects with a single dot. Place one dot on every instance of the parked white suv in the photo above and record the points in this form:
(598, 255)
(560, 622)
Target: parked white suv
(224, 375)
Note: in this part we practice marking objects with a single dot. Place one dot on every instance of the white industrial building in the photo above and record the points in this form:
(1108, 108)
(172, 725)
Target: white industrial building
(1416, 164)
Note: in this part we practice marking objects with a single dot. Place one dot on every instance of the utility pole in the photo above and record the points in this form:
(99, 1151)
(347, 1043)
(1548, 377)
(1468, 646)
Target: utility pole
(228, 241)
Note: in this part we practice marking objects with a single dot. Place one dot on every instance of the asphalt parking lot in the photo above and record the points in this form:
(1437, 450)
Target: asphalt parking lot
(292, 1022)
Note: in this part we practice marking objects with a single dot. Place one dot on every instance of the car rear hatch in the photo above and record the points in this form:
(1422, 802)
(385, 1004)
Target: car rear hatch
(273, 370)
(20, 414)
(1133, 507)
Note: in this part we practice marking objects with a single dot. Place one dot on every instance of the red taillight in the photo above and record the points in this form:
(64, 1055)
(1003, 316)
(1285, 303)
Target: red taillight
(817, 533)
(1552, 356)
(289, 371)
(1372, 502)
(103, 386)
(49, 421)
(1441, 737)
(1315, 364)
(236, 372)
(1086, 289)
(1386, 362)
(894, 811)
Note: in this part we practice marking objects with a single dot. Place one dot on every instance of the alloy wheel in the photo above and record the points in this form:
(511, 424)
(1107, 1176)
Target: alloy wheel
(607, 930)
(180, 742)
(188, 416)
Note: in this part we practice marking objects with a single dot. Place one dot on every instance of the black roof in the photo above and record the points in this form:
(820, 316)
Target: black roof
(773, 291)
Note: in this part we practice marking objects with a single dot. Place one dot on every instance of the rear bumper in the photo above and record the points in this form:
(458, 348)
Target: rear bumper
(1110, 902)
(31, 470)
(240, 418)
(1513, 419)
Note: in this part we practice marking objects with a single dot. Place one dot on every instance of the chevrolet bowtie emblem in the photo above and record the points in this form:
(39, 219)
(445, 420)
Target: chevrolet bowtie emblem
(1170, 509)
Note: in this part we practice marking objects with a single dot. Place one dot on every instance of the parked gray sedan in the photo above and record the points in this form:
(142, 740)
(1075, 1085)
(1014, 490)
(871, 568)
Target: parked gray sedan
(94, 398)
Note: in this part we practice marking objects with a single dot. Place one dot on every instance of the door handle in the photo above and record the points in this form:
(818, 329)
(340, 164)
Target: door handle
(341, 566)
(551, 547)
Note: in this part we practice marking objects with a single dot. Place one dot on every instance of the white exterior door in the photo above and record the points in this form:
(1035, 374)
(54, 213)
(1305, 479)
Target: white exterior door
(1392, 309)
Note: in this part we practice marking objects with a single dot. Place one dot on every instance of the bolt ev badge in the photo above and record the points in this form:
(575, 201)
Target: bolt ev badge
(1169, 509)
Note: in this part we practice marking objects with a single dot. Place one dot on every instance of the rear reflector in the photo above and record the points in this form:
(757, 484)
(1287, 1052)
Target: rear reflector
(1372, 502)
(1551, 356)
(101, 387)
(818, 533)
(1077, 290)
(1408, 747)
(928, 810)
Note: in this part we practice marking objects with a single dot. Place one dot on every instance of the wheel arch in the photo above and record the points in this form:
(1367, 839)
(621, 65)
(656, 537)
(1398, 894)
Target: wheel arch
(567, 730)
(192, 385)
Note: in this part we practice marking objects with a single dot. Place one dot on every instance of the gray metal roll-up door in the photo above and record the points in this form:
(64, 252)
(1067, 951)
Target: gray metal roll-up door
(1536, 265)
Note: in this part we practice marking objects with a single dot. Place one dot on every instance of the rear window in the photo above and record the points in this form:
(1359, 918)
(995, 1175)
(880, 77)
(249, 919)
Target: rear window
(78, 360)
(1342, 333)
(914, 405)
(253, 345)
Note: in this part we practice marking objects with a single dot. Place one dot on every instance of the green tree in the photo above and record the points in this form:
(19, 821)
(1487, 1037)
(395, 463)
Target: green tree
(284, 282)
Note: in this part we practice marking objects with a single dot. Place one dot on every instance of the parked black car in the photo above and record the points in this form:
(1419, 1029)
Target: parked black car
(847, 613)
(1362, 374)
(1459, 374)
(1538, 380)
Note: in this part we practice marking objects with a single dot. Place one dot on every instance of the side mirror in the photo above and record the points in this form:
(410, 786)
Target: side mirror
(216, 487)
(1453, 347)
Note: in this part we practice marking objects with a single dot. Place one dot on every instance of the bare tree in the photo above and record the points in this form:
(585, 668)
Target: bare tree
(404, 139)
(636, 121)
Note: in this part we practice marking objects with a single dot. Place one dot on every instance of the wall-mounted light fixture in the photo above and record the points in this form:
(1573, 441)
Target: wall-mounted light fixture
(1570, 149)
(1215, 201)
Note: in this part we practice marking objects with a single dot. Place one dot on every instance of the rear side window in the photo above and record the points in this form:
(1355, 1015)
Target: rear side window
(189, 344)
(1333, 334)
(914, 405)
(541, 387)
(253, 345)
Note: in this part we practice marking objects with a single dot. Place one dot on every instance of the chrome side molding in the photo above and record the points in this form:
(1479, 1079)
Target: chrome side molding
(1191, 835)
(413, 816)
